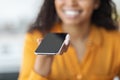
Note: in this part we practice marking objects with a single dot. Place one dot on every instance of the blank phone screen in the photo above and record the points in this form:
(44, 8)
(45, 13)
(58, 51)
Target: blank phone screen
(51, 43)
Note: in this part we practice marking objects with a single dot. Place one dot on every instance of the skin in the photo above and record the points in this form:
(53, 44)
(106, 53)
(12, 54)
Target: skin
(78, 26)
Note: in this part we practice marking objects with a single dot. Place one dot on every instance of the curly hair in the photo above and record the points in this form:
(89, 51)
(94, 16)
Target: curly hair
(105, 16)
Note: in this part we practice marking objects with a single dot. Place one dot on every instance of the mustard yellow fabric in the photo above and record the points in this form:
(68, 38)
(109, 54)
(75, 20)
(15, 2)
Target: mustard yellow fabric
(100, 62)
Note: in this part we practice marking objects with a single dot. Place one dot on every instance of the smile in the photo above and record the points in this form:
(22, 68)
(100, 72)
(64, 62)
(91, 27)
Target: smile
(72, 13)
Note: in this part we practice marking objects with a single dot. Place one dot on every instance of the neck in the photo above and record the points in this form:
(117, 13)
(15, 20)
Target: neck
(77, 32)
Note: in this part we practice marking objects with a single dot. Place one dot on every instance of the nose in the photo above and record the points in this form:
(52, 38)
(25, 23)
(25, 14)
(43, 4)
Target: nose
(71, 2)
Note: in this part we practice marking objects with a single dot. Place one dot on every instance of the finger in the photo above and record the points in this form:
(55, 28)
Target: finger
(66, 47)
(67, 39)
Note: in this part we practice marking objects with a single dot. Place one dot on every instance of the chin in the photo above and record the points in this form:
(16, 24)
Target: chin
(71, 22)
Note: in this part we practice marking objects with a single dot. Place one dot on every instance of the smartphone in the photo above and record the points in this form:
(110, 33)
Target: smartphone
(53, 43)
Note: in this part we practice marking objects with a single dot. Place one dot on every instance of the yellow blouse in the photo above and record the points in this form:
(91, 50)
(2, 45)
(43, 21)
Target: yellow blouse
(100, 62)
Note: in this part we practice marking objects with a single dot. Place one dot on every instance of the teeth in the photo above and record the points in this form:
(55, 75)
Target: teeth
(71, 12)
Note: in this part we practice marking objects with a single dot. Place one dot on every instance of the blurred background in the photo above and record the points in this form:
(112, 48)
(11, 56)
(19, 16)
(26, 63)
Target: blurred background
(15, 18)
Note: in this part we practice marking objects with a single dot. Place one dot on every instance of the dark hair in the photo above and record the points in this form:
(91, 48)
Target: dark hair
(105, 16)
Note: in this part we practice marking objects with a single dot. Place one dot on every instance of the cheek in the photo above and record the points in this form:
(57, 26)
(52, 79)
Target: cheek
(87, 7)
(58, 4)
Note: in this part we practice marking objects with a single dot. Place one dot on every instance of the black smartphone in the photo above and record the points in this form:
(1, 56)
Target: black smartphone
(53, 43)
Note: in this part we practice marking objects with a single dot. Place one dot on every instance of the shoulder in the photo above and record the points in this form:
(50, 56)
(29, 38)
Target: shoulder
(113, 35)
(112, 40)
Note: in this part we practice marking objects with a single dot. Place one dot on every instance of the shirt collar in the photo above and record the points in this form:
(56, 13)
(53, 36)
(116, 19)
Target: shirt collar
(95, 37)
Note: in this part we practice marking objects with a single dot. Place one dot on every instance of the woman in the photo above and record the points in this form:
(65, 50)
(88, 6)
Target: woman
(93, 53)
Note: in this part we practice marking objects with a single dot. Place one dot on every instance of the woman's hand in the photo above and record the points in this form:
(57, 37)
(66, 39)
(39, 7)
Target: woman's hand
(43, 63)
